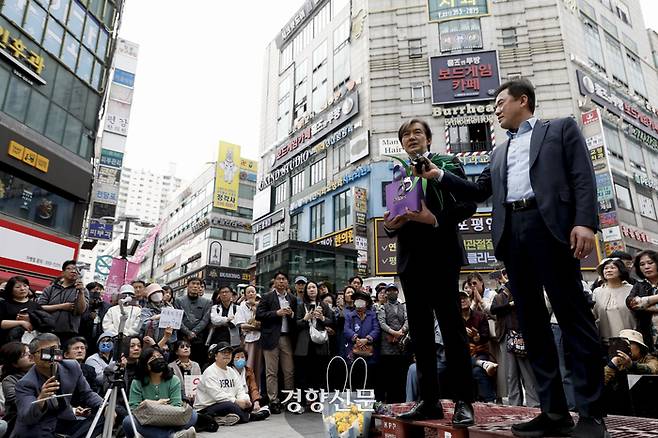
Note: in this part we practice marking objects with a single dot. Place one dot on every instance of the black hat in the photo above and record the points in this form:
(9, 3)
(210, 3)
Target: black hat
(216, 348)
(381, 286)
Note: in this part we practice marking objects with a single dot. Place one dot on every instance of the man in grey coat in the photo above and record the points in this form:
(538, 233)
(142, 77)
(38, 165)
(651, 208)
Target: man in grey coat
(392, 317)
(196, 309)
(43, 395)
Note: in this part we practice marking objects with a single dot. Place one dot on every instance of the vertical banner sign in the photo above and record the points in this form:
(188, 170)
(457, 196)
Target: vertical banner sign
(595, 139)
(360, 231)
(121, 272)
(227, 176)
(386, 260)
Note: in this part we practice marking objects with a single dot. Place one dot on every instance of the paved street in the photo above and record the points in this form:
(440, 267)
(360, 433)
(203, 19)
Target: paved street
(277, 426)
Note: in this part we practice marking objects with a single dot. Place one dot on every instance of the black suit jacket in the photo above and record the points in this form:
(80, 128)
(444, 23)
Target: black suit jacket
(270, 328)
(422, 247)
(561, 175)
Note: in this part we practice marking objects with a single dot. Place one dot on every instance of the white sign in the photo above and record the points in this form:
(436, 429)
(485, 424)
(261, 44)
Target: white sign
(171, 317)
(610, 234)
(359, 147)
(361, 243)
(646, 207)
(191, 384)
(391, 146)
(26, 248)
(594, 141)
(113, 142)
(118, 117)
(121, 93)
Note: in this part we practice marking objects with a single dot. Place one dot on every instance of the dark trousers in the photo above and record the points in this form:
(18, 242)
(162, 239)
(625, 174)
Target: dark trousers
(438, 295)
(199, 350)
(79, 428)
(390, 387)
(311, 371)
(538, 261)
(224, 408)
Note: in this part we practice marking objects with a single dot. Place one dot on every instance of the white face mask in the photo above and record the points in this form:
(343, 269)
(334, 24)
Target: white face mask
(360, 304)
(156, 297)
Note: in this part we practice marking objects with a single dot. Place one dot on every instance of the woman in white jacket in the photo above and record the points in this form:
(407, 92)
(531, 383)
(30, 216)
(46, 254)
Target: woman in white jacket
(221, 393)
(223, 327)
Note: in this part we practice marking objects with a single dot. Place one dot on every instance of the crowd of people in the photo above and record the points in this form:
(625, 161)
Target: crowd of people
(247, 353)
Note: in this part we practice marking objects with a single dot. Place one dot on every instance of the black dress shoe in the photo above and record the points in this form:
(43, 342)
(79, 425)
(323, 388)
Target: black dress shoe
(275, 407)
(464, 415)
(543, 425)
(423, 411)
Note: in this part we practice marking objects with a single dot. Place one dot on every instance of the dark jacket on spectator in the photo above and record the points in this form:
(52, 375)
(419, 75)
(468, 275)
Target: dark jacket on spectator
(479, 321)
(303, 331)
(9, 390)
(505, 314)
(368, 327)
(65, 321)
(194, 318)
(270, 329)
(643, 289)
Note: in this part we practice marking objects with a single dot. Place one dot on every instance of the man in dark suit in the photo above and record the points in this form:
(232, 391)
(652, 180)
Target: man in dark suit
(429, 258)
(544, 220)
(277, 316)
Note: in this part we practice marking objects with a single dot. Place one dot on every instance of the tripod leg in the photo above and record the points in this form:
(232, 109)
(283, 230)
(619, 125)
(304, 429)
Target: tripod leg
(109, 415)
(99, 413)
(130, 414)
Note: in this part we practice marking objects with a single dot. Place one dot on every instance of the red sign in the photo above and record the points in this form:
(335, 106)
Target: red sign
(590, 117)
(638, 235)
(466, 77)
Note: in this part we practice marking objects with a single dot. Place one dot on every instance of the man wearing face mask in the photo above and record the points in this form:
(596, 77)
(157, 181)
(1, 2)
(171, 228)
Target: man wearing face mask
(133, 311)
(150, 327)
(103, 358)
(392, 316)
(196, 308)
(40, 413)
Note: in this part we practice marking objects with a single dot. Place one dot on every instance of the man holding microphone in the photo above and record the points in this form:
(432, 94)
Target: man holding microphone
(66, 300)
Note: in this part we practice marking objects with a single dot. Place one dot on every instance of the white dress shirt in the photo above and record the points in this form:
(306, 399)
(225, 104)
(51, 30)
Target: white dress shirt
(518, 162)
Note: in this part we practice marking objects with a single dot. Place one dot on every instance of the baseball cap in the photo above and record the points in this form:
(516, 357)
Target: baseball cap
(301, 279)
(126, 289)
(391, 286)
(216, 348)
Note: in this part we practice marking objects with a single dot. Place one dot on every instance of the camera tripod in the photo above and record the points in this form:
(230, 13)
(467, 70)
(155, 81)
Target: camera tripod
(116, 385)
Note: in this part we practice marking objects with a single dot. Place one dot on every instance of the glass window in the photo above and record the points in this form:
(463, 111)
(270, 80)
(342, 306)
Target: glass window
(415, 48)
(647, 208)
(93, 106)
(338, 5)
(285, 58)
(343, 210)
(319, 96)
(108, 17)
(59, 8)
(17, 98)
(35, 21)
(72, 134)
(97, 76)
(342, 66)
(86, 145)
(91, 33)
(320, 55)
(37, 112)
(615, 59)
(4, 82)
(342, 33)
(613, 142)
(297, 183)
(593, 42)
(653, 163)
(101, 50)
(318, 171)
(29, 202)
(14, 10)
(622, 12)
(238, 261)
(63, 87)
(246, 192)
(417, 92)
(341, 156)
(54, 37)
(509, 37)
(96, 6)
(56, 124)
(635, 77)
(85, 65)
(321, 19)
(70, 52)
(294, 225)
(76, 19)
(78, 100)
(281, 193)
(635, 155)
(317, 220)
(624, 197)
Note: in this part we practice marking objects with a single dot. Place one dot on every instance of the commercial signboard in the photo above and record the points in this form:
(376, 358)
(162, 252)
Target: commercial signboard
(31, 250)
(478, 244)
(441, 10)
(464, 77)
(360, 198)
(111, 158)
(457, 35)
(359, 172)
(386, 259)
(117, 117)
(343, 238)
(295, 23)
(100, 230)
(391, 146)
(269, 220)
(227, 176)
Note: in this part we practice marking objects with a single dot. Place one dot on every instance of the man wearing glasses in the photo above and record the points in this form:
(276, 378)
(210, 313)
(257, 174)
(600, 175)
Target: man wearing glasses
(66, 301)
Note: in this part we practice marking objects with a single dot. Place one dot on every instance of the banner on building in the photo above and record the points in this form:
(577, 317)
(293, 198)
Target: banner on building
(227, 176)
(442, 10)
(360, 231)
(465, 77)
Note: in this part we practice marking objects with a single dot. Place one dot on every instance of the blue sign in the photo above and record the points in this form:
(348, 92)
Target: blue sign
(122, 77)
(100, 230)
(111, 158)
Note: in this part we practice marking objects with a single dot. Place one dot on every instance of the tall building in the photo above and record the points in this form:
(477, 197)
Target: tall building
(54, 64)
(206, 229)
(342, 76)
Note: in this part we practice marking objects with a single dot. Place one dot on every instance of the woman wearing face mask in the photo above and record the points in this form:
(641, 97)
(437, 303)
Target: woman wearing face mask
(239, 362)
(311, 357)
(101, 360)
(16, 361)
(184, 366)
(245, 319)
(643, 299)
(361, 334)
(151, 331)
(155, 383)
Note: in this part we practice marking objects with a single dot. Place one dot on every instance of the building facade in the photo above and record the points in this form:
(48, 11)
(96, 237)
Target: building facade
(54, 64)
(197, 239)
(342, 76)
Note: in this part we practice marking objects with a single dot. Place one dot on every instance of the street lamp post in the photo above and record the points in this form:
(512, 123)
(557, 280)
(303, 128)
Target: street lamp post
(124, 251)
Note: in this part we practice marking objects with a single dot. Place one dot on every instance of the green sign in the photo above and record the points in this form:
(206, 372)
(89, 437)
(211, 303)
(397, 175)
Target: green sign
(443, 10)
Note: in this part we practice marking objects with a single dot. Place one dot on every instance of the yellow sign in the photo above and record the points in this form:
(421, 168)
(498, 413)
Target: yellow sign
(28, 156)
(337, 238)
(17, 49)
(249, 165)
(227, 176)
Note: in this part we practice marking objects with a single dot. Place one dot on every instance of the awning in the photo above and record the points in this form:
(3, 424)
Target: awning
(36, 283)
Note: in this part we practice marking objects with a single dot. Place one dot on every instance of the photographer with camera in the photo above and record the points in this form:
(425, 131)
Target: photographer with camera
(43, 395)
(91, 324)
(66, 301)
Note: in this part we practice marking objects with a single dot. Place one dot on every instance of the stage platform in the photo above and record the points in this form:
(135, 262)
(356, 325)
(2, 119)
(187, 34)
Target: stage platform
(494, 421)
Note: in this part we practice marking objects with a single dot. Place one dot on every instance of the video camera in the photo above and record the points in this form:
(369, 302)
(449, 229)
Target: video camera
(420, 163)
(52, 354)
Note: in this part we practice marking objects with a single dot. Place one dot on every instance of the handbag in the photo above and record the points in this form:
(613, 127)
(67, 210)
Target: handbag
(156, 414)
(402, 193)
(515, 343)
(366, 350)
(317, 336)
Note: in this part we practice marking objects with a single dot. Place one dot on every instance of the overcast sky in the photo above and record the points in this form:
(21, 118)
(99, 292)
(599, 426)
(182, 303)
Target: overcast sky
(199, 76)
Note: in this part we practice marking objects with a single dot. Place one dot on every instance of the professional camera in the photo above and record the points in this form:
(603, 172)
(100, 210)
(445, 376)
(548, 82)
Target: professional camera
(420, 163)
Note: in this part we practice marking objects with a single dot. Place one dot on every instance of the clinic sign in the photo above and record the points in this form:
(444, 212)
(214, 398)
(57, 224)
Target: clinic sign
(465, 77)
(326, 122)
(609, 99)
